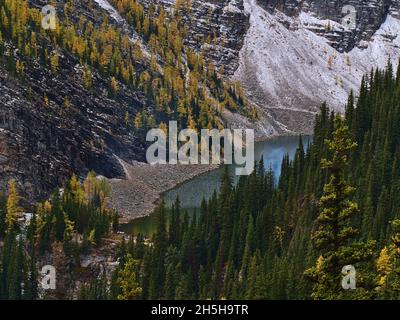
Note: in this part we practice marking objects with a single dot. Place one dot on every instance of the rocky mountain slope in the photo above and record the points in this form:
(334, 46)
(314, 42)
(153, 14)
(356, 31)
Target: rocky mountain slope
(291, 55)
(42, 144)
(216, 28)
(80, 98)
(289, 64)
(288, 55)
(51, 126)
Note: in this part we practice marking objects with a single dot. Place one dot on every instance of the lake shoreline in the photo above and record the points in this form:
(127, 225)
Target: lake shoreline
(139, 194)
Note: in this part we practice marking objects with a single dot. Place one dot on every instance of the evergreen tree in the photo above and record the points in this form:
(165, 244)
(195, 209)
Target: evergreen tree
(334, 222)
(127, 280)
(13, 209)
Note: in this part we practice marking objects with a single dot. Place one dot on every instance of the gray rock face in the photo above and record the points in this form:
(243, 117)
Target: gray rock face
(394, 8)
(215, 27)
(228, 23)
(370, 14)
(42, 145)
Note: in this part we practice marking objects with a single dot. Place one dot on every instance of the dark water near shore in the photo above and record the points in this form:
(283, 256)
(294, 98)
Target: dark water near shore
(192, 192)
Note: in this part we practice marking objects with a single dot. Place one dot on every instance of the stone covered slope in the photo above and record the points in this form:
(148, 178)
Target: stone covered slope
(289, 69)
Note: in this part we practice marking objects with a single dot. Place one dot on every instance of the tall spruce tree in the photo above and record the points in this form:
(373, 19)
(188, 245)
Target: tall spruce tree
(334, 229)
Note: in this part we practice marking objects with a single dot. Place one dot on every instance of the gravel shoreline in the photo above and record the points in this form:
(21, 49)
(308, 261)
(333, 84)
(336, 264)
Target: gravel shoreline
(139, 193)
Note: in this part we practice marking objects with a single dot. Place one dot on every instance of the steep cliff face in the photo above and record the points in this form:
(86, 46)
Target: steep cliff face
(368, 17)
(214, 27)
(43, 143)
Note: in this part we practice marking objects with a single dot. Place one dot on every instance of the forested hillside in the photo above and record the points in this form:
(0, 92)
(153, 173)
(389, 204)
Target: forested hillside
(336, 204)
(77, 97)
(72, 223)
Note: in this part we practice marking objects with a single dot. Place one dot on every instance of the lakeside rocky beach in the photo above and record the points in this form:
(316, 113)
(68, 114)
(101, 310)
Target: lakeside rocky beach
(139, 193)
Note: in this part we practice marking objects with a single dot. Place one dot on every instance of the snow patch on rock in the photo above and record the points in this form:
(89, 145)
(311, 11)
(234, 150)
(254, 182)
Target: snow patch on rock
(110, 9)
(231, 8)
